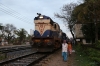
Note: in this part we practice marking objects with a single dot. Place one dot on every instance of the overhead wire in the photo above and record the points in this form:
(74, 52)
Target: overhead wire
(10, 10)
(7, 12)
(13, 13)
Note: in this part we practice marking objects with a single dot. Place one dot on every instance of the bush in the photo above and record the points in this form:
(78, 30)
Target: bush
(92, 54)
(97, 44)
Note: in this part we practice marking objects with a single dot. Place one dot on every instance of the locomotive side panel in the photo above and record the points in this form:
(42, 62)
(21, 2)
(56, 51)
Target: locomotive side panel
(56, 30)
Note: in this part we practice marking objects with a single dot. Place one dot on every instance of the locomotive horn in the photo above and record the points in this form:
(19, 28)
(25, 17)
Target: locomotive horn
(38, 14)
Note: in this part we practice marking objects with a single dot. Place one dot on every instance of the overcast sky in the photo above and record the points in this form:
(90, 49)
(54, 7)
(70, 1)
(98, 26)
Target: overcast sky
(21, 13)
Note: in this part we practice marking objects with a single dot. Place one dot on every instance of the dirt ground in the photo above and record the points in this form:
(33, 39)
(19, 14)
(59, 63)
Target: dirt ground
(56, 59)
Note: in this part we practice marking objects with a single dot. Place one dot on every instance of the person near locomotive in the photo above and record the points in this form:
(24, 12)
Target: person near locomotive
(69, 48)
(64, 50)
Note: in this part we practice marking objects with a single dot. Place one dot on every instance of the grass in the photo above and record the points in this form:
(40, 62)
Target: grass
(81, 57)
(83, 61)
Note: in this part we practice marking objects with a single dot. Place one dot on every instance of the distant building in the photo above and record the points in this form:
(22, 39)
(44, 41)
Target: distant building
(31, 32)
(79, 35)
(77, 31)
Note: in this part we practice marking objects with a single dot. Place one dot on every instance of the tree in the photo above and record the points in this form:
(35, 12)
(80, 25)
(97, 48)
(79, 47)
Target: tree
(66, 16)
(21, 34)
(88, 12)
(88, 32)
(1, 28)
(28, 37)
(9, 29)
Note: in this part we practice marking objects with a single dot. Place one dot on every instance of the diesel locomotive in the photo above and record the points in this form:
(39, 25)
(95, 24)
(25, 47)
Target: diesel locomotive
(47, 35)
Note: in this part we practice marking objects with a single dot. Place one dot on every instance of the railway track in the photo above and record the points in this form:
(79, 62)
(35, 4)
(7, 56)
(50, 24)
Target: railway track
(20, 56)
(13, 48)
(9, 53)
(26, 60)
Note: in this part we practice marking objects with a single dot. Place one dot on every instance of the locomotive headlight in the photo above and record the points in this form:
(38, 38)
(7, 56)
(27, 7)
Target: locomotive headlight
(41, 17)
(37, 40)
(47, 40)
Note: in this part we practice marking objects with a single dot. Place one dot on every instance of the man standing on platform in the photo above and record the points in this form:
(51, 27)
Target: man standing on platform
(64, 50)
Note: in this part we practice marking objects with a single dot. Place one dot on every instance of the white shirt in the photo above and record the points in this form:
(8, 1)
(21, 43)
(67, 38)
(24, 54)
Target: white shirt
(64, 47)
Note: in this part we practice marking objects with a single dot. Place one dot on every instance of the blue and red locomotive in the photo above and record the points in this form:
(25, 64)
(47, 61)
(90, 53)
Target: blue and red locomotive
(47, 35)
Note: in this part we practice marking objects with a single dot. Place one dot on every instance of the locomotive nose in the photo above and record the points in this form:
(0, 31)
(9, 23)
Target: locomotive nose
(49, 43)
(39, 44)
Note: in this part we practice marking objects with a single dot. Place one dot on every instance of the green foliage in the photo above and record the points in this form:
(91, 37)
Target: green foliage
(97, 44)
(12, 35)
(86, 11)
(88, 31)
(94, 55)
(78, 48)
(89, 55)
(87, 14)
(81, 57)
(21, 35)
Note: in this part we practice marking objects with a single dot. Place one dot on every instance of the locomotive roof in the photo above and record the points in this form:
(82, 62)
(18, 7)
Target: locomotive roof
(44, 17)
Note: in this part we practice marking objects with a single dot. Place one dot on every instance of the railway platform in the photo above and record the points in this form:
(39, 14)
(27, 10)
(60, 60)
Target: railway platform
(56, 59)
